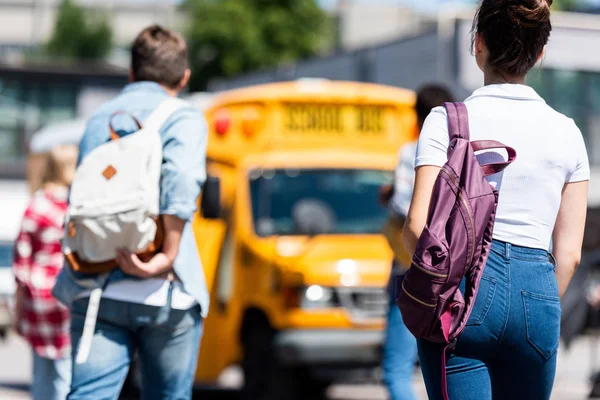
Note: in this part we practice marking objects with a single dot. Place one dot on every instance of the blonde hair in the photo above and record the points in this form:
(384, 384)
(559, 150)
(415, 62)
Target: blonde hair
(60, 165)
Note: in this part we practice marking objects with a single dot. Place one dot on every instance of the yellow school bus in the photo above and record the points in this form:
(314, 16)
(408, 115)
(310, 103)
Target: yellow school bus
(295, 261)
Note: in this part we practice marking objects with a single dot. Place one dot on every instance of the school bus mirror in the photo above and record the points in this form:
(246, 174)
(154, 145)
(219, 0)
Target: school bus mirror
(211, 198)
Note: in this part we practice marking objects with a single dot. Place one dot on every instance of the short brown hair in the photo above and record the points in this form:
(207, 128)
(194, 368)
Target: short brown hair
(514, 32)
(159, 55)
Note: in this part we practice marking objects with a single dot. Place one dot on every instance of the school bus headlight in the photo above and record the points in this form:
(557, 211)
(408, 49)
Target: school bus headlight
(316, 296)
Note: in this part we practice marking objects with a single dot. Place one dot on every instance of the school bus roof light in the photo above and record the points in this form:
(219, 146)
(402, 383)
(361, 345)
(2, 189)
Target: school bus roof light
(250, 122)
(222, 122)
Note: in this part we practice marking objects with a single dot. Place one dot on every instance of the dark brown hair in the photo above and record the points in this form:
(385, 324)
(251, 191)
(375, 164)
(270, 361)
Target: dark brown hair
(429, 97)
(159, 55)
(514, 32)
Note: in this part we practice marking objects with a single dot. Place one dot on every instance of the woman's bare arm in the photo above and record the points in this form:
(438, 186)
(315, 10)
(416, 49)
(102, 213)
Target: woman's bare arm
(567, 237)
(425, 177)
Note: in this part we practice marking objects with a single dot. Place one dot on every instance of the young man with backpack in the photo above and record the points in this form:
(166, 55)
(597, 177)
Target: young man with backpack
(134, 282)
(400, 348)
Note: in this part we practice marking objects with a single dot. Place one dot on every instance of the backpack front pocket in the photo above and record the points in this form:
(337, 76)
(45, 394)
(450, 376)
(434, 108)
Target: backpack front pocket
(97, 239)
(418, 315)
(429, 269)
(422, 285)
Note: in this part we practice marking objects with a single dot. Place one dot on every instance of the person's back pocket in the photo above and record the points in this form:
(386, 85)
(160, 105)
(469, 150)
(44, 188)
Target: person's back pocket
(542, 318)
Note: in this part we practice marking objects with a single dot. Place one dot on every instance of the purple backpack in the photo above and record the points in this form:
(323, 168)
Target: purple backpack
(455, 242)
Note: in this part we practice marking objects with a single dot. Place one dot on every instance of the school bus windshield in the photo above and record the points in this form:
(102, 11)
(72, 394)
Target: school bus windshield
(317, 201)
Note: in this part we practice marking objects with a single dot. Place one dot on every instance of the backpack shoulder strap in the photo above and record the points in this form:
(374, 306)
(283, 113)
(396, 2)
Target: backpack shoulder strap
(458, 121)
(165, 109)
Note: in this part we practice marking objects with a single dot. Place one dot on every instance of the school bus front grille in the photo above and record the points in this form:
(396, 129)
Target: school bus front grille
(364, 303)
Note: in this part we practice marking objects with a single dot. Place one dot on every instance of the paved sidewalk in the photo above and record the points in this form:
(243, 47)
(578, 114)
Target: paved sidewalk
(15, 368)
(572, 377)
(574, 369)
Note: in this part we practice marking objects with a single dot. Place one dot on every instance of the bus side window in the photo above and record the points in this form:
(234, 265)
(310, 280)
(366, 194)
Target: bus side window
(225, 269)
(210, 203)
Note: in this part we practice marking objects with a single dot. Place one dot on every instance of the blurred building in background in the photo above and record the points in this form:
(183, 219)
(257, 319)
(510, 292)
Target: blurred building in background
(34, 94)
(36, 90)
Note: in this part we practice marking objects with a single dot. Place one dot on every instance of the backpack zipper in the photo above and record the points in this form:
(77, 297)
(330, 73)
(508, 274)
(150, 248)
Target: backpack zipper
(429, 272)
(417, 300)
(460, 196)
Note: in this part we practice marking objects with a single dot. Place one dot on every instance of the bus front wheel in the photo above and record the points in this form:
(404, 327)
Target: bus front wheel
(265, 378)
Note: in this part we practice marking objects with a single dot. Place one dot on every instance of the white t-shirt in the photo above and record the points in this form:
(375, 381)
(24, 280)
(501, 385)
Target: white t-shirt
(550, 152)
(404, 179)
(150, 292)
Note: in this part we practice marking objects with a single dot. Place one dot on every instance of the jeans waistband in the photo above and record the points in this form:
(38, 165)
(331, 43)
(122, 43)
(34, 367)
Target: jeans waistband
(509, 250)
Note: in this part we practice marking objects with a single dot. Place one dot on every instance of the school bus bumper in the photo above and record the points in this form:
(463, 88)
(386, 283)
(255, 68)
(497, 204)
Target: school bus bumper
(347, 347)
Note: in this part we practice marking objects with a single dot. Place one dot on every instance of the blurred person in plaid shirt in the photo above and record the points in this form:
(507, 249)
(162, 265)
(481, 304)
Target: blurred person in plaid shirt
(39, 318)
(400, 347)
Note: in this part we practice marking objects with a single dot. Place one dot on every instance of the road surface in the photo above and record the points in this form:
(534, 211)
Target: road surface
(574, 368)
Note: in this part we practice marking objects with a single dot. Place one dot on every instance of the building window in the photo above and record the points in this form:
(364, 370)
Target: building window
(575, 94)
(25, 106)
(593, 117)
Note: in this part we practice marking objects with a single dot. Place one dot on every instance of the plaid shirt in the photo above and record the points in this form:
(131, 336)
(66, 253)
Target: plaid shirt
(43, 322)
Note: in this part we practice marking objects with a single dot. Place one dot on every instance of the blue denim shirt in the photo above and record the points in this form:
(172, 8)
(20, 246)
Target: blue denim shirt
(184, 138)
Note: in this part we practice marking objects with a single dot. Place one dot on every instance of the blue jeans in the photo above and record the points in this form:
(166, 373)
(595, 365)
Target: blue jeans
(167, 350)
(509, 347)
(51, 378)
(399, 353)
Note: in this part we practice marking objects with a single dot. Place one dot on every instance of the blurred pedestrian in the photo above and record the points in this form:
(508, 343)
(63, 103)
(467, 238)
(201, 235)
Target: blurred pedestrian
(508, 349)
(39, 318)
(151, 305)
(400, 348)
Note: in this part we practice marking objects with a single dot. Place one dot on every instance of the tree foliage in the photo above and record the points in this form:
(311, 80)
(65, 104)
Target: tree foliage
(79, 35)
(565, 5)
(229, 37)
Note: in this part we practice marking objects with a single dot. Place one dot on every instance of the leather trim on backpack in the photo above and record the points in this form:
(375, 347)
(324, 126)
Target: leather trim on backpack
(94, 268)
(113, 134)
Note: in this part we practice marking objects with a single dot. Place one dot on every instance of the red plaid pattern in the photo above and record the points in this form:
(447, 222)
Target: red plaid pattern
(44, 322)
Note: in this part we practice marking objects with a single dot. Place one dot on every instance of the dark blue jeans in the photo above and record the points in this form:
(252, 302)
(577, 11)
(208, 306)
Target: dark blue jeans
(508, 349)
(399, 352)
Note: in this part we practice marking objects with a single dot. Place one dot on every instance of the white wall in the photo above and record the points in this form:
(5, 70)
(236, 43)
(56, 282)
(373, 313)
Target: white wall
(30, 22)
(363, 24)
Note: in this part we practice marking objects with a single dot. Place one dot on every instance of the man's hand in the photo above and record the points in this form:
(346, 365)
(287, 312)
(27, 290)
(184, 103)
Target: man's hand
(132, 265)
(161, 263)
